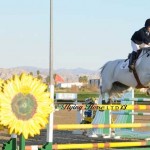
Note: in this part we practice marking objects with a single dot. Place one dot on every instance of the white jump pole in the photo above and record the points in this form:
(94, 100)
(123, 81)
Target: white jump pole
(51, 82)
(79, 118)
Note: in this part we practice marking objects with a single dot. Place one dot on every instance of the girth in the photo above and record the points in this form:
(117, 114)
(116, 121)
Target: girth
(139, 84)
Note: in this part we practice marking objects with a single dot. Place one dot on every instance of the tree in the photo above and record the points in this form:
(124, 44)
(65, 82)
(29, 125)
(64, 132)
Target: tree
(38, 75)
(31, 73)
(83, 79)
(48, 79)
(38, 72)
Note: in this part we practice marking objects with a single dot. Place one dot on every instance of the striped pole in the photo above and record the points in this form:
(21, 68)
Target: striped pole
(131, 113)
(91, 126)
(94, 145)
(32, 147)
(101, 145)
(133, 99)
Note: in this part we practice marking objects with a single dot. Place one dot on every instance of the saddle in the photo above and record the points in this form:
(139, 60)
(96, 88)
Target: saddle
(137, 56)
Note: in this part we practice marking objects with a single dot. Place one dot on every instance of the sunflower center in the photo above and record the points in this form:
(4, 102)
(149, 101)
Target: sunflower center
(24, 106)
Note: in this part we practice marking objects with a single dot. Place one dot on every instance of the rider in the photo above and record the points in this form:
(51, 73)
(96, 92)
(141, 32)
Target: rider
(139, 39)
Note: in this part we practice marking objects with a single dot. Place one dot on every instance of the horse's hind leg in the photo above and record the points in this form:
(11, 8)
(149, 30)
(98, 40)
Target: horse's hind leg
(105, 89)
(105, 100)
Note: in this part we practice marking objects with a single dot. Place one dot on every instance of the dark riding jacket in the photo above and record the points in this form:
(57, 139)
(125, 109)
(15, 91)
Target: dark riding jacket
(141, 36)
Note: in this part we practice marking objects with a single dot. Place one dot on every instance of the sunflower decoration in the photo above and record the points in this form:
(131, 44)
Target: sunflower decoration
(1, 81)
(1, 84)
(25, 105)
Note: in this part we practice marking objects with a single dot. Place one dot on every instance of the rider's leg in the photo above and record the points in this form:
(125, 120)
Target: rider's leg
(132, 61)
(133, 56)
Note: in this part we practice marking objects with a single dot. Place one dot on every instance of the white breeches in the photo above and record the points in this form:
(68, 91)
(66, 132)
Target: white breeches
(136, 47)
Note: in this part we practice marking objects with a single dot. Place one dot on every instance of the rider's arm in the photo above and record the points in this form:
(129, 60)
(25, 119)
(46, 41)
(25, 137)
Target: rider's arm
(147, 45)
(137, 38)
(143, 45)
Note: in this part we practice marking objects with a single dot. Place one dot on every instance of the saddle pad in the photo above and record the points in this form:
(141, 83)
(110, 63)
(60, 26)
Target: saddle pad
(125, 64)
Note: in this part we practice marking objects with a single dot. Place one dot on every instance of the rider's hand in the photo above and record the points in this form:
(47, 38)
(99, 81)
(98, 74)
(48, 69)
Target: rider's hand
(142, 45)
(147, 45)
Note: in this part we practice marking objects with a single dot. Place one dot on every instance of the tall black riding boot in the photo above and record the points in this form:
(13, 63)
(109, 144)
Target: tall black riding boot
(132, 60)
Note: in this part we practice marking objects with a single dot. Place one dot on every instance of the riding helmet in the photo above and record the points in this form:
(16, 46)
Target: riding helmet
(147, 23)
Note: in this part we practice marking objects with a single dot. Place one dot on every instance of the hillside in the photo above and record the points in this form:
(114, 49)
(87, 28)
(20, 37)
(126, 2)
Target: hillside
(69, 75)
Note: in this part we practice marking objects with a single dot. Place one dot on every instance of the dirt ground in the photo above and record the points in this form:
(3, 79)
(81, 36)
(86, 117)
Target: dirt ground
(68, 117)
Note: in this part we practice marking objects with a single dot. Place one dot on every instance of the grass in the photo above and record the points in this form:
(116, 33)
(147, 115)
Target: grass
(141, 95)
(83, 96)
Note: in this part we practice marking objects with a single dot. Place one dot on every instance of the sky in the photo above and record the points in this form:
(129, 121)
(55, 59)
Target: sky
(87, 33)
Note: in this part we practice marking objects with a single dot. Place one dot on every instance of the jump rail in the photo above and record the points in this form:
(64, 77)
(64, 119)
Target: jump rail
(91, 126)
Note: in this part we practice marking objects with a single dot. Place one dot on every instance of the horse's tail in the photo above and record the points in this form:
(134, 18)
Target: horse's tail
(101, 71)
(102, 68)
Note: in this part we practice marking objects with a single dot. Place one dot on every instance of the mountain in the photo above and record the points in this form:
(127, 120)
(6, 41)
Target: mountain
(76, 71)
(69, 75)
(33, 69)
(7, 73)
